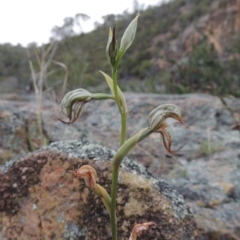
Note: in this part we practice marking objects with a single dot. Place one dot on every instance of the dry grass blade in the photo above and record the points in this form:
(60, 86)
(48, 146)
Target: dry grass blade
(32, 73)
(65, 78)
(43, 58)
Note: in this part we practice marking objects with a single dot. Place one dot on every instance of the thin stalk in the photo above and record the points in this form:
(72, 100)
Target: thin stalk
(102, 96)
(123, 127)
(123, 115)
(121, 153)
(37, 90)
(113, 219)
(115, 168)
(117, 159)
(40, 99)
(114, 77)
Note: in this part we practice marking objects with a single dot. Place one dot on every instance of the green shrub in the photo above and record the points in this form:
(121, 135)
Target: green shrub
(203, 71)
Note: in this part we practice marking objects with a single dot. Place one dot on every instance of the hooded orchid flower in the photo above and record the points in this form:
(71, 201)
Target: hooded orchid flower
(88, 174)
(73, 103)
(157, 123)
(139, 228)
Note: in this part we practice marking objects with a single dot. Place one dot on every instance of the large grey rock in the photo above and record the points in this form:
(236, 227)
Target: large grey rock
(39, 199)
(205, 170)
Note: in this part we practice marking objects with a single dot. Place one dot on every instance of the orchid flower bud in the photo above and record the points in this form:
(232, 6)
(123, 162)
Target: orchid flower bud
(139, 228)
(129, 35)
(112, 46)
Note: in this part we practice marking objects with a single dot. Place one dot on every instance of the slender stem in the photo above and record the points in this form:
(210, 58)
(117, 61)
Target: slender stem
(115, 171)
(119, 156)
(123, 127)
(114, 76)
(102, 96)
(40, 99)
(116, 164)
(123, 115)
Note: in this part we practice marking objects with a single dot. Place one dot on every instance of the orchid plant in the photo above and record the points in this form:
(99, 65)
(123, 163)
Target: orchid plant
(73, 105)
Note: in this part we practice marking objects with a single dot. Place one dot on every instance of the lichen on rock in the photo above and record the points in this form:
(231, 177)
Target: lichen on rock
(39, 198)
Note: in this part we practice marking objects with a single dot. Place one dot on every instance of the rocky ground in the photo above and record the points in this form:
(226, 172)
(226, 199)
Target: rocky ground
(41, 200)
(206, 171)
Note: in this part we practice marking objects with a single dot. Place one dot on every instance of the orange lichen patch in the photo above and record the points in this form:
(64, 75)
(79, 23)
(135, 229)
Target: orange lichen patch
(5, 115)
(32, 222)
(5, 155)
(24, 225)
(57, 197)
(140, 192)
(227, 188)
(209, 221)
(50, 203)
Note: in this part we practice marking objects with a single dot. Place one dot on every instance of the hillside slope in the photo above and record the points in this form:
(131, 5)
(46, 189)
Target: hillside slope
(181, 46)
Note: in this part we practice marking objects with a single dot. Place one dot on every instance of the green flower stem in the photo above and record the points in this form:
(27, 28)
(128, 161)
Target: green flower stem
(102, 96)
(121, 153)
(123, 127)
(103, 194)
(123, 114)
(113, 219)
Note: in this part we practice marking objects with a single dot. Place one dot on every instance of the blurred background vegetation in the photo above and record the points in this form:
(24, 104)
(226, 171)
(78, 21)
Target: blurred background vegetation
(182, 46)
